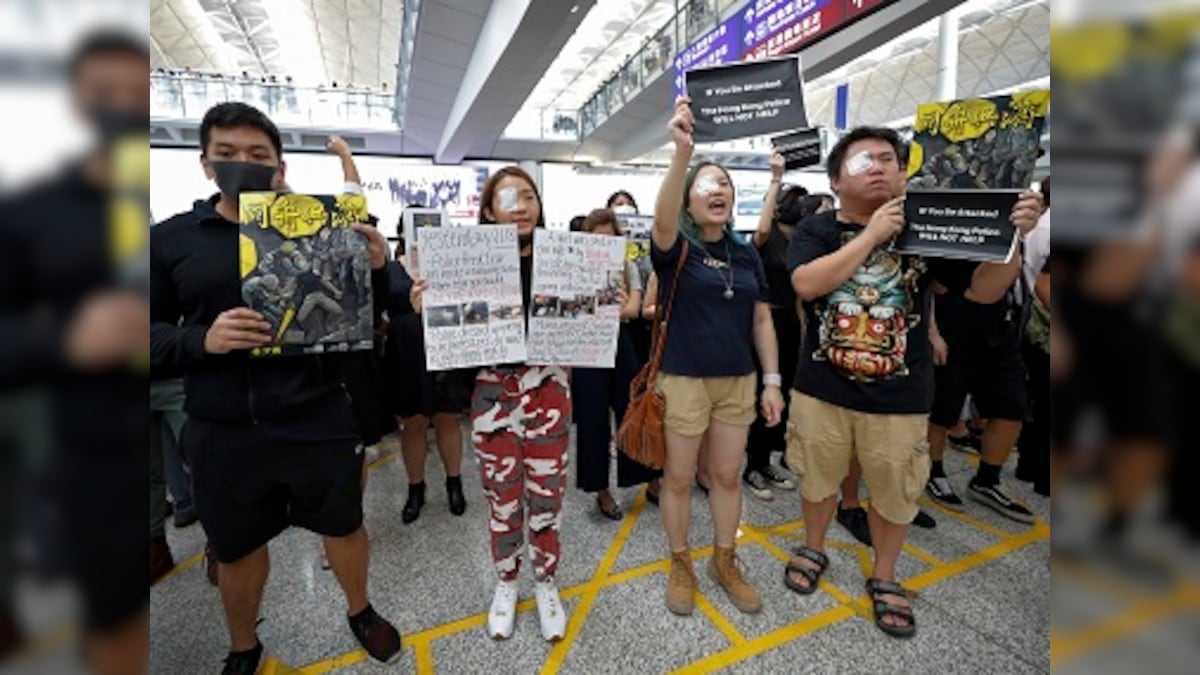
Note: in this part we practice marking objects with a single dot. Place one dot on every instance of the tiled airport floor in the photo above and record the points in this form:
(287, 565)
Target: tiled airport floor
(984, 603)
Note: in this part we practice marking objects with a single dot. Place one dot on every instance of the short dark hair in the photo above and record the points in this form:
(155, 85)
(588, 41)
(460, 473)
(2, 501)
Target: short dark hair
(833, 163)
(620, 193)
(233, 114)
(107, 42)
(601, 217)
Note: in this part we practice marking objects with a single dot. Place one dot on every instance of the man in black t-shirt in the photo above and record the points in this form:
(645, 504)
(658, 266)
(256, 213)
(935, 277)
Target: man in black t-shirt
(864, 382)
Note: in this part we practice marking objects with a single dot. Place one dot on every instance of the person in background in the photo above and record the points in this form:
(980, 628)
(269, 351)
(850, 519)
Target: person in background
(521, 419)
(601, 394)
(776, 223)
(420, 398)
(273, 441)
(708, 385)
(1033, 462)
(621, 203)
(72, 351)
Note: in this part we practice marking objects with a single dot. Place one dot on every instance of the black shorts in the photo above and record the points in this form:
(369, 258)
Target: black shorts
(250, 482)
(994, 376)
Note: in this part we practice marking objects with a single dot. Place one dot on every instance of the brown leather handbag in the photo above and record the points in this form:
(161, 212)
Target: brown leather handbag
(641, 434)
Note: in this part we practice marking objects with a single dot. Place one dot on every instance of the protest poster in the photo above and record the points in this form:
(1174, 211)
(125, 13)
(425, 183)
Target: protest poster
(959, 224)
(575, 313)
(799, 149)
(978, 143)
(416, 220)
(747, 99)
(473, 312)
(638, 229)
(306, 271)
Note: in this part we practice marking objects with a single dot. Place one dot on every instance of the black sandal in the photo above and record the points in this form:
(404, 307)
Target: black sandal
(877, 588)
(813, 576)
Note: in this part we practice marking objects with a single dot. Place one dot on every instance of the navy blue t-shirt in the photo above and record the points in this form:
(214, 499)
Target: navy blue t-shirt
(866, 344)
(710, 335)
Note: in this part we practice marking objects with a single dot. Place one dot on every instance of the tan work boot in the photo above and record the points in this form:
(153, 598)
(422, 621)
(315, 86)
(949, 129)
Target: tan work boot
(724, 570)
(681, 584)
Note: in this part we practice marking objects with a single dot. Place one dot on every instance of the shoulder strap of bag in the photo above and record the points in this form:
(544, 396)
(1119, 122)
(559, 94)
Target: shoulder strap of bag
(659, 339)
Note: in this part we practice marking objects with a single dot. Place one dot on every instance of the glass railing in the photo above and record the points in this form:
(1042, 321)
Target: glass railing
(655, 56)
(183, 96)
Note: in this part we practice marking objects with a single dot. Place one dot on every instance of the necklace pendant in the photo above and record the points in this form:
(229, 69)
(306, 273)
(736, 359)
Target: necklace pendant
(728, 294)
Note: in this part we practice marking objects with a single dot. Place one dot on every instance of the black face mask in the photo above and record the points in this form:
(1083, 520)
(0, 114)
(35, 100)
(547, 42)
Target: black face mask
(234, 178)
(113, 124)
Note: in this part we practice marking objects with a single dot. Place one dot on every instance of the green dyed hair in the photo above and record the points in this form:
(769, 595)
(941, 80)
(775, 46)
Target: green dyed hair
(687, 225)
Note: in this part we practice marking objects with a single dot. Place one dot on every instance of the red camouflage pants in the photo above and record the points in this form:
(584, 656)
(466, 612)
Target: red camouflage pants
(520, 418)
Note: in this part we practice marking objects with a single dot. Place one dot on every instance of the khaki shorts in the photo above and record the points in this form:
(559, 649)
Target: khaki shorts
(693, 401)
(892, 450)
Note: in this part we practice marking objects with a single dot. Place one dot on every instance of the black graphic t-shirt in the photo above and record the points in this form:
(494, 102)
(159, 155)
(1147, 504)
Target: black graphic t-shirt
(866, 344)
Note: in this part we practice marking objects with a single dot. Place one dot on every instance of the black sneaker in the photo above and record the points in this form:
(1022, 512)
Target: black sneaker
(924, 520)
(855, 521)
(971, 443)
(940, 491)
(777, 478)
(758, 485)
(994, 498)
(243, 663)
(379, 638)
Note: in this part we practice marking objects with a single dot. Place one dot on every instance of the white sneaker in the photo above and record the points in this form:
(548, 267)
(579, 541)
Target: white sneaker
(550, 611)
(503, 615)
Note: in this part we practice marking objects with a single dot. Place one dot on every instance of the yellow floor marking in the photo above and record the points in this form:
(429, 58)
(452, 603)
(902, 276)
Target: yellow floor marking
(186, 564)
(850, 607)
(424, 658)
(923, 556)
(1064, 647)
(719, 620)
(273, 666)
(558, 653)
(767, 642)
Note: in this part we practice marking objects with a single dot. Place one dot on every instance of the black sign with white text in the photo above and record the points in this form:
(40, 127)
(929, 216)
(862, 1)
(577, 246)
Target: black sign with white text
(747, 99)
(959, 224)
(800, 149)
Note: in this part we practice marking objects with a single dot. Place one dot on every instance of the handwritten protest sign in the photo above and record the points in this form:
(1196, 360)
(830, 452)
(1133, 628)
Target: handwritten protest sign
(473, 313)
(747, 99)
(962, 224)
(575, 313)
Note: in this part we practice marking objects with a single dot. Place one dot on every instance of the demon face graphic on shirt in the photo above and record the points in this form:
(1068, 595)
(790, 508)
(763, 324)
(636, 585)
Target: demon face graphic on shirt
(864, 323)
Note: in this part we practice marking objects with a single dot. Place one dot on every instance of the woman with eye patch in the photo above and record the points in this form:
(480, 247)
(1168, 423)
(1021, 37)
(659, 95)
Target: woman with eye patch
(719, 319)
(520, 417)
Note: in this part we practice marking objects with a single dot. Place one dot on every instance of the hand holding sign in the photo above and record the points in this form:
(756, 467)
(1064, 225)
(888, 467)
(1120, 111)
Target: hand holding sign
(777, 163)
(416, 294)
(887, 221)
(1027, 211)
(682, 123)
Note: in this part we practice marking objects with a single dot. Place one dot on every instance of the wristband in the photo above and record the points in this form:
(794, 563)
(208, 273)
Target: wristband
(772, 380)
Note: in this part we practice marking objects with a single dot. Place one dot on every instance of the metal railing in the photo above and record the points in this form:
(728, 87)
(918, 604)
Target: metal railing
(655, 56)
(189, 96)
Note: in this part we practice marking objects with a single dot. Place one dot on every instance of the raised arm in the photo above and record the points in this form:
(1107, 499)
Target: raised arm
(769, 202)
(338, 146)
(992, 280)
(670, 194)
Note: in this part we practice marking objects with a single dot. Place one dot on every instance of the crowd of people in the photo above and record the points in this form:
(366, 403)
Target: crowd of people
(878, 350)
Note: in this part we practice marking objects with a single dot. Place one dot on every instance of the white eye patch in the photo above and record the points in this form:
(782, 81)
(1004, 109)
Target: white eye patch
(508, 199)
(859, 164)
(706, 185)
